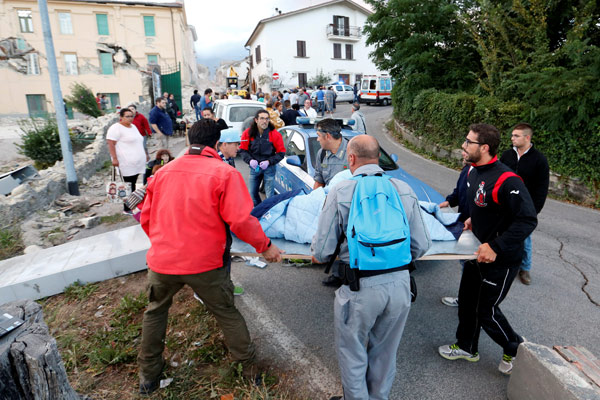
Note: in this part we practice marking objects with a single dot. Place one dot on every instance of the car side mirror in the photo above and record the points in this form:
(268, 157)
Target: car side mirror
(394, 157)
(294, 160)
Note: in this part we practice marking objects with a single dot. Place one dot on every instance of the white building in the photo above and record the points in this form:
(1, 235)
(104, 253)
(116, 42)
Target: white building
(326, 38)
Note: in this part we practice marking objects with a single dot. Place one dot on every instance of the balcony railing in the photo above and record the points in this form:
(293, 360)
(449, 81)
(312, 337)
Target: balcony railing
(343, 32)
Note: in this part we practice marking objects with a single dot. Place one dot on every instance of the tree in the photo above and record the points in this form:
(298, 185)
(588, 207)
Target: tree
(320, 79)
(82, 99)
(423, 44)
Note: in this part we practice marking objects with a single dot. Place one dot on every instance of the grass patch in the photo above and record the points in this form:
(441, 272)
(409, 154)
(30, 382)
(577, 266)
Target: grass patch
(114, 219)
(98, 329)
(79, 291)
(106, 166)
(11, 243)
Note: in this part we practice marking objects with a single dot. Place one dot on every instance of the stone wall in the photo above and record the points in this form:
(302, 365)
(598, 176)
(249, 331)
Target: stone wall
(38, 193)
(565, 186)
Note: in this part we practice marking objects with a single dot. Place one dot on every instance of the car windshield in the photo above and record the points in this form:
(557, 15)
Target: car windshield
(385, 161)
(240, 113)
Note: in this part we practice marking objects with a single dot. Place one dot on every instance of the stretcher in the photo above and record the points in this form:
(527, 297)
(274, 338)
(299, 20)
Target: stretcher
(462, 249)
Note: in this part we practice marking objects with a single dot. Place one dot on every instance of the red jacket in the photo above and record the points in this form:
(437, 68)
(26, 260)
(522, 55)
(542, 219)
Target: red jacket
(142, 124)
(187, 205)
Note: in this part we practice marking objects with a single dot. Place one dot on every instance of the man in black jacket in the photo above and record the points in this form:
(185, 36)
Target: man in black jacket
(531, 165)
(502, 216)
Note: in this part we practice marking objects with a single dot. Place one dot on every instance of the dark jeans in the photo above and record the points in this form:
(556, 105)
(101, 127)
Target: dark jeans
(130, 179)
(268, 175)
(216, 291)
(482, 289)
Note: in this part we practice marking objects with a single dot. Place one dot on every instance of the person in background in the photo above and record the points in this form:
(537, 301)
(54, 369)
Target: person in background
(161, 122)
(141, 123)
(210, 114)
(290, 114)
(194, 101)
(206, 100)
(359, 119)
(99, 101)
(458, 197)
(320, 96)
(294, 97)
(274, 114)
(302, 97)
(126, 148)
(262, 148)
(229, 145)
(531, 165)
(196, 199)
(307, 110)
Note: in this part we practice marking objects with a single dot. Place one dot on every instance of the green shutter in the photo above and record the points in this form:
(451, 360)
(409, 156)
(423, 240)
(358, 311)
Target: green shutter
(149, 25)
(106, 63)
(152, 59)
(102, 21)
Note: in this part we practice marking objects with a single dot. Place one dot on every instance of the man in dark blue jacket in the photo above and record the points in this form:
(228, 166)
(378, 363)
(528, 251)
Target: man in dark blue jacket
(161, 122)
(502, 216)
(531, 165)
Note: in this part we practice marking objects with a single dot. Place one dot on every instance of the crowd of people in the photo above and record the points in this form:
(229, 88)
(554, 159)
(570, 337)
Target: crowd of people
(498, 199)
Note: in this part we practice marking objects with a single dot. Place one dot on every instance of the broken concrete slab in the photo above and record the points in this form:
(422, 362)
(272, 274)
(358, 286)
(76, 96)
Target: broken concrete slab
(541, 373)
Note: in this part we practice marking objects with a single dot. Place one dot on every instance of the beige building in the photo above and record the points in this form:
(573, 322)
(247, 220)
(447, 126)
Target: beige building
(106, 45)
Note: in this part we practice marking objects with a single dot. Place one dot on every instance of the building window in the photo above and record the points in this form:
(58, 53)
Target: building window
(33, 64)
(149, 25)
(102, 22)
(25, 21)
(341, 25)
(71, 64)
(152, 58)
(21, 44)
(300, 48)
(64, 22)
(106, 63)
(349, 52)
(302, 79)
(257, 53)
(337, 50)
(251, 61)
(36, 105)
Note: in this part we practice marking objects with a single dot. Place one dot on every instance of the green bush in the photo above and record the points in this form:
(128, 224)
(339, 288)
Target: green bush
(40, 142)
(11, 243)
(82, 99)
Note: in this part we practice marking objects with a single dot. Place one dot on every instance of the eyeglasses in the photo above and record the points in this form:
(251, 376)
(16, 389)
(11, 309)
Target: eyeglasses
(468, 142)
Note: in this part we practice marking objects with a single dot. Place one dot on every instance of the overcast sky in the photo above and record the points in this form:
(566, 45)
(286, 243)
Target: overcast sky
(224, 26)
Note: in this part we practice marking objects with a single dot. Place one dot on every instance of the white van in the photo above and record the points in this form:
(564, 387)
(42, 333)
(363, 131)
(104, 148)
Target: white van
(235, 111)
(376, 89)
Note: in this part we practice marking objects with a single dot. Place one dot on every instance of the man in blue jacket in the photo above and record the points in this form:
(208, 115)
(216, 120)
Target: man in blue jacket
(161, 122)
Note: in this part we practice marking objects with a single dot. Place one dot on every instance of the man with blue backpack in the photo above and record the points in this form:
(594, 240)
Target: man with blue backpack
(375, 223)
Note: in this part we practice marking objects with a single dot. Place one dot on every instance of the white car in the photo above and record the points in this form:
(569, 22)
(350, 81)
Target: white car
(344, 93)
(235, 111)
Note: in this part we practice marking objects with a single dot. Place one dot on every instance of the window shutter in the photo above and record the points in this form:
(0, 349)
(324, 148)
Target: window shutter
(102, 21)
(337, 50)
(349, 55)
(149, 25)
(106, 63)
(258, 54)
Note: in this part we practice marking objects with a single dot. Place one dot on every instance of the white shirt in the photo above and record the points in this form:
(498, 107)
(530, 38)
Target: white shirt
(293, 98)
(310, 113)
(129, 148)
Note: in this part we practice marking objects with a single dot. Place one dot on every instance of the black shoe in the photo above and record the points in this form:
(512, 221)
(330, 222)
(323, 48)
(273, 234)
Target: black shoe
(332, 281)
(147, 388)
(336, 398)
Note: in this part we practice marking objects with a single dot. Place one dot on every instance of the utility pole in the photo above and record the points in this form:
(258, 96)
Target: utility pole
(61, 117)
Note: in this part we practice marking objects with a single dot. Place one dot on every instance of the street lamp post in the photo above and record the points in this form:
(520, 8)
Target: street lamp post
(61, 118)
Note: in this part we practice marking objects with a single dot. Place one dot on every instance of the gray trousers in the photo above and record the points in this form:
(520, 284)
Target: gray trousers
(368, 326)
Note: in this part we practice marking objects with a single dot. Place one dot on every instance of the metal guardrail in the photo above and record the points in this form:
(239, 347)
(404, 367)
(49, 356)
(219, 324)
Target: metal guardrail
(352, 32)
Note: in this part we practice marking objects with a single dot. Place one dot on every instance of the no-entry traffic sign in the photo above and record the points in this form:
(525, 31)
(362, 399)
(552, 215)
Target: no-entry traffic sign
(275, 76)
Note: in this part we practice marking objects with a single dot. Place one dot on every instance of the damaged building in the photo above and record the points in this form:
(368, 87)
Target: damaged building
(109, 45)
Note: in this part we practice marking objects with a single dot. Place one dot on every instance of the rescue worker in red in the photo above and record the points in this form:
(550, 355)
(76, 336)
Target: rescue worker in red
(191, 205)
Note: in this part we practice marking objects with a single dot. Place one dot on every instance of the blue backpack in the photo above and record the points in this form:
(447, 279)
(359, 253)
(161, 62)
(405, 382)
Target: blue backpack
(378, 233)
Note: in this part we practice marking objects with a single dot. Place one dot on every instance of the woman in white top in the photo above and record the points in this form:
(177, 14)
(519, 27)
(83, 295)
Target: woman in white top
(126, 147)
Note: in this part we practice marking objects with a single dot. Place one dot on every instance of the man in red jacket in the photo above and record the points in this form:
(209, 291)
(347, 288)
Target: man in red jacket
(191, 205)
(142, 124)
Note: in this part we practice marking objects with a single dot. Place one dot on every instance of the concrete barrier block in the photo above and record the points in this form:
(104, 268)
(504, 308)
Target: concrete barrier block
(541, 373)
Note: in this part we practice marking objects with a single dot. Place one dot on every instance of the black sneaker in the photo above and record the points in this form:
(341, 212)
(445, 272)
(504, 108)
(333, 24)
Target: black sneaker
(147, 388)
(337, 398)
(332, 281)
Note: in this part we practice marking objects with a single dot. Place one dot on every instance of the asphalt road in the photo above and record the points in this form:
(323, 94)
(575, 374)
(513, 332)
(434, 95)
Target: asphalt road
(290, 314)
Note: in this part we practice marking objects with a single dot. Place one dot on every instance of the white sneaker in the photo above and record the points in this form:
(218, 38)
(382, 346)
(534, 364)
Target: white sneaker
(198, 298)
(506, 364)
(450, 301)
(453, 352)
